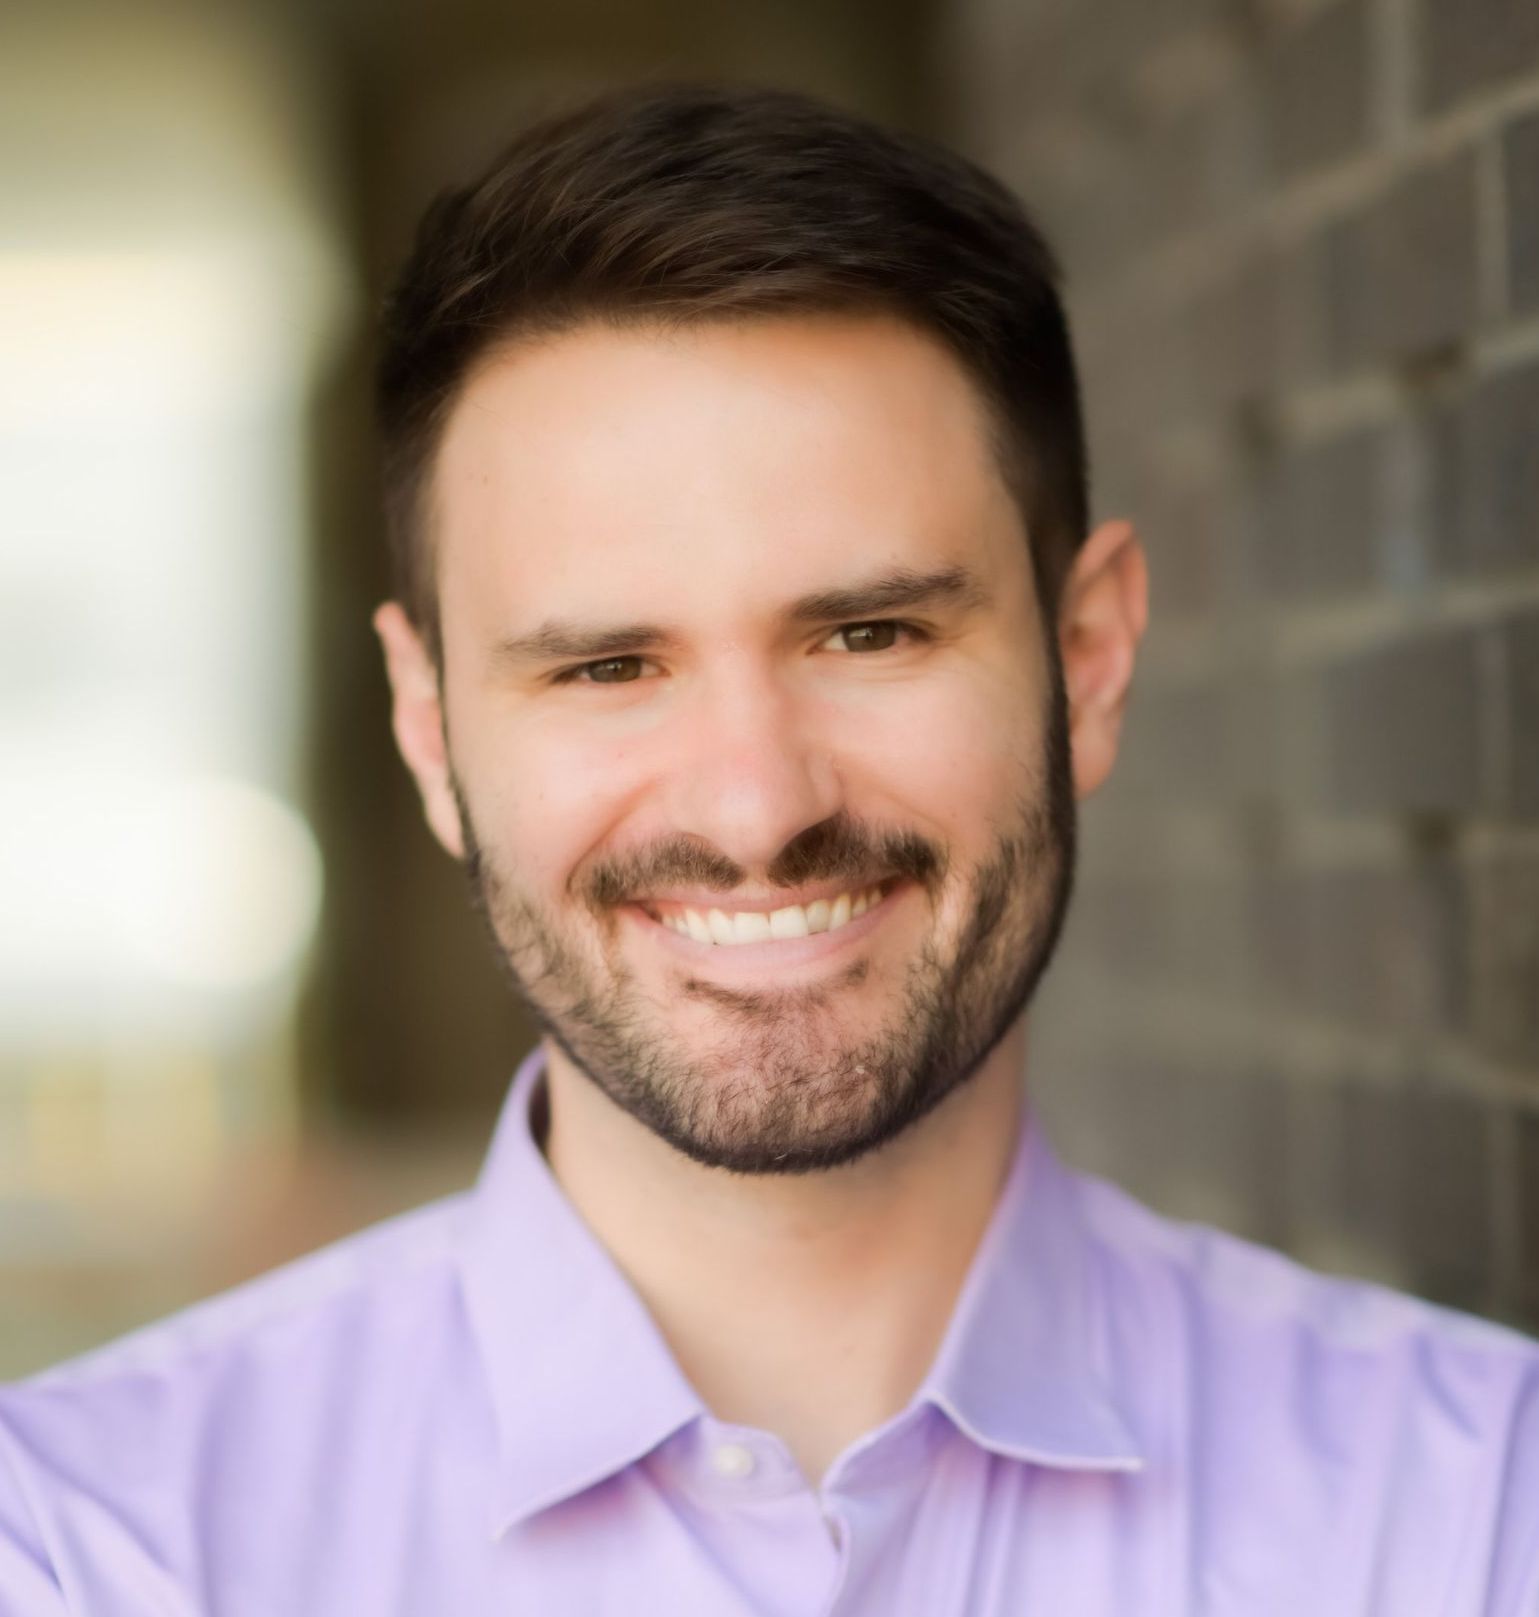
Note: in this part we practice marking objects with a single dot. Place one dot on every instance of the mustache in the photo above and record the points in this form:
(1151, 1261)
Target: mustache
(834, 849)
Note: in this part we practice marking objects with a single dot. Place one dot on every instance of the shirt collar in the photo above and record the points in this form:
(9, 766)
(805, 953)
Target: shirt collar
(1022, 1368)
(583, 1384)
(581, 1380)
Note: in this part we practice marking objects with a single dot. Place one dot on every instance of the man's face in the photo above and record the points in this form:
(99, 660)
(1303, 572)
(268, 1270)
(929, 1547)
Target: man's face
(682, 762)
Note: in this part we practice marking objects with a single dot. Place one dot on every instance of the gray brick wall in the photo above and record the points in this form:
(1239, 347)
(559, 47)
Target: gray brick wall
(1299, 993)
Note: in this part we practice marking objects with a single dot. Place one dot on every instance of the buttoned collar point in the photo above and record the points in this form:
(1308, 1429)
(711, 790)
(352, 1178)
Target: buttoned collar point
(583, 1385)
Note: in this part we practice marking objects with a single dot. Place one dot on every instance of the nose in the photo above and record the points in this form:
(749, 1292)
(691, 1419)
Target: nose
(754, 771)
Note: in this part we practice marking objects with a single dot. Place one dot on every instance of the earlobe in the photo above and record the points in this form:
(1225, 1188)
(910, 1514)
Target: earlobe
(1102, 617)
(417, 720)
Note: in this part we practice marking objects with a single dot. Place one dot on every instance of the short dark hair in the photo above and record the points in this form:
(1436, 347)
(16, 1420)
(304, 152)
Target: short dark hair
(688, 204)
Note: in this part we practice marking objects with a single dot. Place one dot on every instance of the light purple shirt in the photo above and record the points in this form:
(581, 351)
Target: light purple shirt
(467, 1411)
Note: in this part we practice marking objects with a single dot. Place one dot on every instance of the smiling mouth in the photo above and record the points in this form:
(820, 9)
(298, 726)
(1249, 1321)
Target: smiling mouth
(726, 928)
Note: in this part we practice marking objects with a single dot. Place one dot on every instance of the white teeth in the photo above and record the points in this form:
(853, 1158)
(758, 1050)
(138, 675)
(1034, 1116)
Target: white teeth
(789, 923)
(754, 926)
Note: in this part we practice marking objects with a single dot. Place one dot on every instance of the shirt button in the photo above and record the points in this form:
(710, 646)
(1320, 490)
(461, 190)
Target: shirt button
(732, 1460)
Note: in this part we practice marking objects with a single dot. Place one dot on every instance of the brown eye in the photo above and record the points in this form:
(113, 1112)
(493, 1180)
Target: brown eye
(614, 671)
(870, 636)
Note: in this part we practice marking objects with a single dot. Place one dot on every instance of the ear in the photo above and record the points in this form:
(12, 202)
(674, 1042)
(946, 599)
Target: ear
(418, 721)
(1101, 619)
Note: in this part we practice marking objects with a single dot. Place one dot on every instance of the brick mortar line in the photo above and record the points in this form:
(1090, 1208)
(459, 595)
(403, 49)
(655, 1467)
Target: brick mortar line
(1307, 839)
(1317, 412)
(1320, 636)
(1305, 637)
(1309, 843)
(1491, 289)
(1192, 441)
(1202, 257)
(1504, 1206)
(1494, 756)
(1312, 1051)
(1514, 342)
(1494, 839)
(1314, 412)
(1366, 398)
(1393, 27)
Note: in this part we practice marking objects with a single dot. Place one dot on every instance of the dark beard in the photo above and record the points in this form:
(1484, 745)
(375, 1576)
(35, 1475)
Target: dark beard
(794, 1107)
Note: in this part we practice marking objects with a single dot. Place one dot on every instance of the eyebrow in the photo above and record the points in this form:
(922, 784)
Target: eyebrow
(901, 589)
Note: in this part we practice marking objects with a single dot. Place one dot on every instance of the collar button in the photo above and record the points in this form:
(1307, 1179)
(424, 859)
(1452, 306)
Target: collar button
(733, 1460)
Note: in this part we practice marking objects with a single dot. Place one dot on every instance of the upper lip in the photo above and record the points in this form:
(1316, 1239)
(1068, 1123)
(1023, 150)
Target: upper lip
(763, 904)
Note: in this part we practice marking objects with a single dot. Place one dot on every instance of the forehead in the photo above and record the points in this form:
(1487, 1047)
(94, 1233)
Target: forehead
(722, 465)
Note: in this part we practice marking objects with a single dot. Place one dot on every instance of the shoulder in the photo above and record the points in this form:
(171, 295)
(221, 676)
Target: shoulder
(119, 1448)
(376, 1268)
(1331, 1409)
(1222, 1287)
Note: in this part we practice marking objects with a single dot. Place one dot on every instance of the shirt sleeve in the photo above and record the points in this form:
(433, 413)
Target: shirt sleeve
(28, 1587)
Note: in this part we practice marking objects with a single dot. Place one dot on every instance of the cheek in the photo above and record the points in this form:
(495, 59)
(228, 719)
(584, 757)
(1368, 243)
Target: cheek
(956, 752)
(545, 802)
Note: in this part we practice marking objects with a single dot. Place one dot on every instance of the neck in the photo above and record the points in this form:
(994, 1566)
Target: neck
(808, 1305)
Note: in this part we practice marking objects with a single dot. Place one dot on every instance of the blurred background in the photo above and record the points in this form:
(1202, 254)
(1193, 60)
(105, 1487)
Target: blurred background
(244, 1007)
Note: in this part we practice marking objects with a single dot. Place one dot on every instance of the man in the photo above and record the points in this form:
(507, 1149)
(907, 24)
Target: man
(752, 650)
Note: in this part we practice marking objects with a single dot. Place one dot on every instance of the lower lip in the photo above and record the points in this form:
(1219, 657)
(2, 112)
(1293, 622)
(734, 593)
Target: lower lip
(777, 955)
